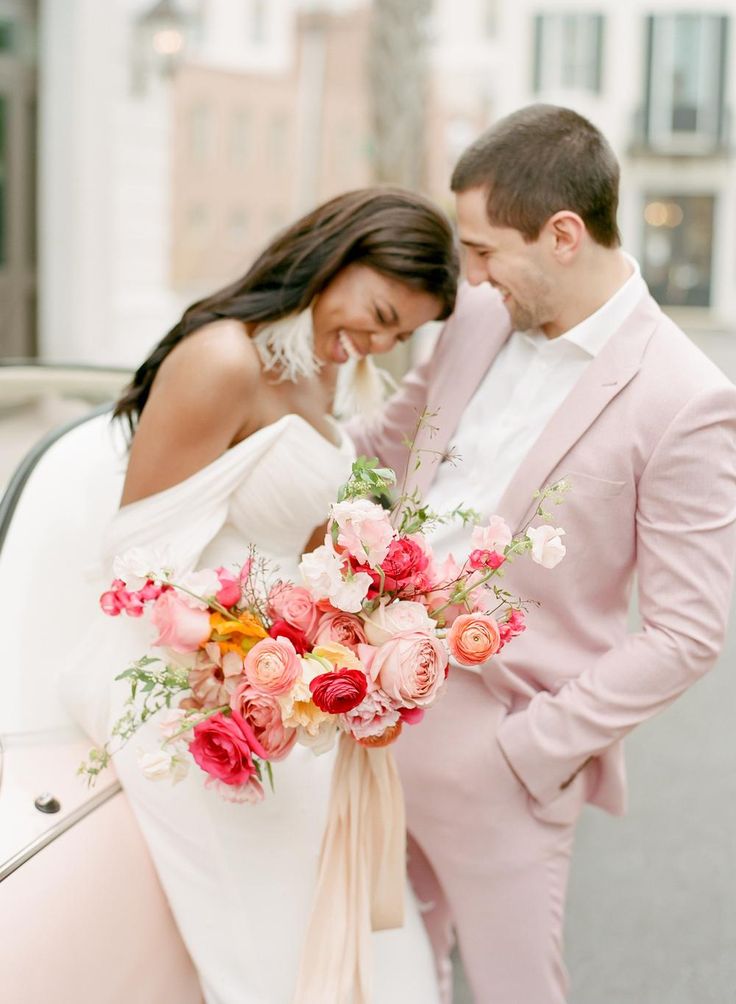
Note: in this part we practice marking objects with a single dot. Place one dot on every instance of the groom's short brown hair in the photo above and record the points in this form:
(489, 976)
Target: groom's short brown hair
(538, 161)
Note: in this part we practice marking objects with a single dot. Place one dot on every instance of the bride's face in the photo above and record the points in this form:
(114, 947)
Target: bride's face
(362, 312)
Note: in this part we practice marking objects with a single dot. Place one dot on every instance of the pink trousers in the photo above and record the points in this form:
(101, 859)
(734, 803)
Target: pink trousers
(489, 866)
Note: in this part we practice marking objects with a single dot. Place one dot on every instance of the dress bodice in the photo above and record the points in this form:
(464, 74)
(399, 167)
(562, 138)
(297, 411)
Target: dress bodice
(283, 495)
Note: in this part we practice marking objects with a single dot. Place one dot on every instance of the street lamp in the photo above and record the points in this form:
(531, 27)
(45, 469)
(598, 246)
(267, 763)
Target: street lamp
(160, 38)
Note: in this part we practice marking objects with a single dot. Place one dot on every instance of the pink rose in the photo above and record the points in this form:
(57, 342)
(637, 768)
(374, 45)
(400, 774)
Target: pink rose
(473, 638)
(397, 617)
(345, 629)
(180, 627)
(295, 605)
(215, 676)
(340, 691)
(272, 666)
(263, 714)
(410, 669)
(223, 746)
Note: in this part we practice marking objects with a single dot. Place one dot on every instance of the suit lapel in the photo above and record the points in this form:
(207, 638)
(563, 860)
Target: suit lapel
(602, 381)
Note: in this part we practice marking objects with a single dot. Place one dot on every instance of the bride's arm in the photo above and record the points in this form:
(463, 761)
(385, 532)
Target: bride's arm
(201, 402)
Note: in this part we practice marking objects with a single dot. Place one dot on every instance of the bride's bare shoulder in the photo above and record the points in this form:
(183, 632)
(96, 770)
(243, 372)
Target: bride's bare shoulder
(222, 351)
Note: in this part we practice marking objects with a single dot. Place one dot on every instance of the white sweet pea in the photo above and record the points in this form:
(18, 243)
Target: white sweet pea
(136, 565)
(204, 583)
(322, 572)
(547, 547)
(364, 530)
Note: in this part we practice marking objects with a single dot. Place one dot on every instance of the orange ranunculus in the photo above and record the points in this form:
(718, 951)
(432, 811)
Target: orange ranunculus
(473, 638)
(236, 635)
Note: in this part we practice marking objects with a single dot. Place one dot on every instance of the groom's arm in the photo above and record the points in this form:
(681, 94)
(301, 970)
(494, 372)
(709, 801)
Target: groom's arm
(686, 552)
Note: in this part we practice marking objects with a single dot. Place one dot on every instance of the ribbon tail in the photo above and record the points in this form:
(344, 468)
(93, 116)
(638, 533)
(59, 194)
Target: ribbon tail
(361, 878)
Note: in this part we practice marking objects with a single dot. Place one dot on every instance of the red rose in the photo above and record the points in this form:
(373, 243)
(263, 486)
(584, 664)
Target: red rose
(404, 563)
(224, 745)
(339, 692)
(282, 629)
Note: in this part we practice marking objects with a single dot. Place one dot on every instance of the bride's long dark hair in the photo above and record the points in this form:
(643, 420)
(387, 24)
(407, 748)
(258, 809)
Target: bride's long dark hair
(394, 232)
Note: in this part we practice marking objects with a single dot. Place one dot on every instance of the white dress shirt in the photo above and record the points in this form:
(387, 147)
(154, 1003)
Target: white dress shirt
(529, 379)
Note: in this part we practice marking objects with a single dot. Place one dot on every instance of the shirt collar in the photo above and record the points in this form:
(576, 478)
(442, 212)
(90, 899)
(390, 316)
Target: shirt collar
(592, 333)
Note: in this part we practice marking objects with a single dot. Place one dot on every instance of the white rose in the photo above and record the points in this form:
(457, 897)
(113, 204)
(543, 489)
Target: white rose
(322, 739)
(547, 547)
(389, 619)
(162, 766)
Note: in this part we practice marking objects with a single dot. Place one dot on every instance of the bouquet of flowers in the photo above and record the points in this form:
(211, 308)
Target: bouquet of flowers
(244, 667)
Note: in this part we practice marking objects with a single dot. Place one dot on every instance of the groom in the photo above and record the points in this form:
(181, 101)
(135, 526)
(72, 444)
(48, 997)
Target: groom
(556, 364)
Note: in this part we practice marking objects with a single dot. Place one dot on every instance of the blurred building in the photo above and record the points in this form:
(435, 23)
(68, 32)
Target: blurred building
(659, 78)
(174, 137)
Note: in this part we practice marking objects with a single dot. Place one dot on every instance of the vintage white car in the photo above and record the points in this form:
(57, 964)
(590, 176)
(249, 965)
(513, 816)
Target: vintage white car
(83, 917)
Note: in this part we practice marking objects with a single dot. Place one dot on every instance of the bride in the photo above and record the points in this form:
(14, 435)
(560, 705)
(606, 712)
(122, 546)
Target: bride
(233, 443)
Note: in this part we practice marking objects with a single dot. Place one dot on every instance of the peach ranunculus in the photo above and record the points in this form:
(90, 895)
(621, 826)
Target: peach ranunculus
(410, 669)
(263, 713)
(272, 666)
(215, 676)
(295, 605)
(345, 629)
(473, 638)
(180, 626)
(389, 619)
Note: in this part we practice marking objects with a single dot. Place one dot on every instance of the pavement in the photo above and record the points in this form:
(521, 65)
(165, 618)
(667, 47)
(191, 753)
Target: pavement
(652, 903)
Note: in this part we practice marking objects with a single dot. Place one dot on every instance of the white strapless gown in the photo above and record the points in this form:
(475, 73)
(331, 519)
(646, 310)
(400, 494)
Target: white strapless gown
(240, 878)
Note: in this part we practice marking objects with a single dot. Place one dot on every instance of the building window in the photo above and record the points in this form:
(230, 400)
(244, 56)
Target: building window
(199, 132)
(241, 137)
(568, 52)
(686, 63)
(678, 248)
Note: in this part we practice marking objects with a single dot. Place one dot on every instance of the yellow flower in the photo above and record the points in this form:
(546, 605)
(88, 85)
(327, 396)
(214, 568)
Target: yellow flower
(236, 635)
(338, 656)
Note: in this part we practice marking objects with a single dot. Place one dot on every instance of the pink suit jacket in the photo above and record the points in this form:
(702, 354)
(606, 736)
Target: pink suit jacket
(647, 439)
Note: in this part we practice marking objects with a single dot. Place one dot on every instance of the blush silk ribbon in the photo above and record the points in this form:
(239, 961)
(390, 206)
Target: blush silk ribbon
(361, 878)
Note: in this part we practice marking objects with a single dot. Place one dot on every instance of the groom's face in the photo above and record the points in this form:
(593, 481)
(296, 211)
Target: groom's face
(520, 271)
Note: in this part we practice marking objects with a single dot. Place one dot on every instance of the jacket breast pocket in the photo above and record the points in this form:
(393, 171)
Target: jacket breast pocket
(591, 487)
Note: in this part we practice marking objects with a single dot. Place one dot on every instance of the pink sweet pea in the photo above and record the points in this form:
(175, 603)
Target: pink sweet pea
(496, 536)
(229, 594)
(181, 627)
